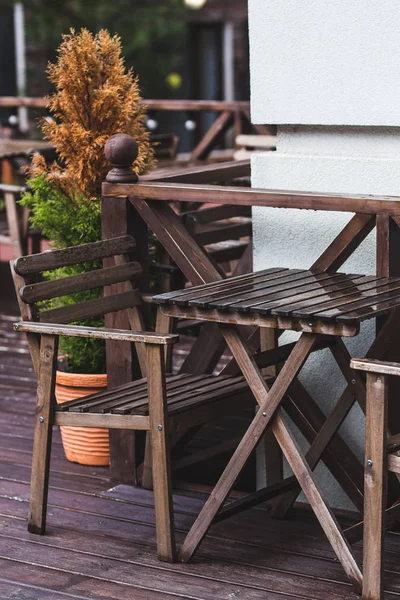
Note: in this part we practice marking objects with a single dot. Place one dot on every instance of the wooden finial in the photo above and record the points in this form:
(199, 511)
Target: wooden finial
(121, 151)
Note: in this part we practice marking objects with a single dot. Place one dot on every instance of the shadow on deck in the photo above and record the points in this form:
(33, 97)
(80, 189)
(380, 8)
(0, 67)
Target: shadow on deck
(100, 542)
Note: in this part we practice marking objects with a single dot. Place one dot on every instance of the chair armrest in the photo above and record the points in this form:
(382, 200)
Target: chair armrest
(375, 366)
(97, 332)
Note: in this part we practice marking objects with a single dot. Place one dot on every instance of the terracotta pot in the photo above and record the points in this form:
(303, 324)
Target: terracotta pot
(83, 445)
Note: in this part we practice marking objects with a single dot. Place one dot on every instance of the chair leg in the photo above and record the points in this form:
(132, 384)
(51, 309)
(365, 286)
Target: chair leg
(163, 502)
(147, 469)
(43, 434)
(375, 484)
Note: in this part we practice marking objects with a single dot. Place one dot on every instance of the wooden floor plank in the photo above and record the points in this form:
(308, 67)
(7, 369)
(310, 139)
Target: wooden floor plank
(260, 576)
(100, 542)
(20, 591)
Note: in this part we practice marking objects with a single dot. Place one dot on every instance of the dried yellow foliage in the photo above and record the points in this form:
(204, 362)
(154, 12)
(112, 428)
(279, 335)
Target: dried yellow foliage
(95, 98)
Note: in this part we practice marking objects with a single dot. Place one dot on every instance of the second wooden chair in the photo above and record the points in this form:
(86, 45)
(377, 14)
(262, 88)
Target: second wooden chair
(154, 404)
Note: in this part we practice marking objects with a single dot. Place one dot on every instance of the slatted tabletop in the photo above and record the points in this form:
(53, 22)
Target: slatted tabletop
(295, 293)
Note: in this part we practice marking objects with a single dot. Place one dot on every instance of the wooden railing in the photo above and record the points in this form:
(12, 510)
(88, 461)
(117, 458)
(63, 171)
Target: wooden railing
(234, 115)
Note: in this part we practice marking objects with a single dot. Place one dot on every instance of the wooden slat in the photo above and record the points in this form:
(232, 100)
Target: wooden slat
(384, 306)
(139, 402)
(97, 332)
(232, 395)
(252, 293)
(82, 404)
(306, 308)
(199, 291)
(193, 105)
(108, 396)
(204, 173)
(241, 289)
(288, 293)
(55, 259)
(78, 283)
(229, 232)
(164, 298)
(227, 253)
(383, 291)
(336, 288)
(175, 192)
(216, 213)
(189, 387)
(375, 366)
(108, 421)
(91, 308)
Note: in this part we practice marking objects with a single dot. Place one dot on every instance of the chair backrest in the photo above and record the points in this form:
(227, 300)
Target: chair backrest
(32, 288)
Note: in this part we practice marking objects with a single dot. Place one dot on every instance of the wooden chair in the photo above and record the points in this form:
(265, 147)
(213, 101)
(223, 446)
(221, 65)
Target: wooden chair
(157, 404)
(382, 454)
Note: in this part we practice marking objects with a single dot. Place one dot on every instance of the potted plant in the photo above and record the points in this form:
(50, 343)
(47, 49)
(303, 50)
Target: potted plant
(95, 97)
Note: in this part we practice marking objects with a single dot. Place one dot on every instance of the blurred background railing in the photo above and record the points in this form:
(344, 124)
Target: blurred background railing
(212, 128)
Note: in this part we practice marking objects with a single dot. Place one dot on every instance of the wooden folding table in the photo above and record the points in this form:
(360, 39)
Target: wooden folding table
(321, 303)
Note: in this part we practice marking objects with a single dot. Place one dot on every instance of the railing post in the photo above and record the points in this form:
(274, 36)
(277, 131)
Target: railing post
(388, 265)
(120, 218)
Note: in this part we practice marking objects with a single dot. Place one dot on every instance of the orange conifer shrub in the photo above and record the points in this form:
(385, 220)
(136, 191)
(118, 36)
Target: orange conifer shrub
(95, 98)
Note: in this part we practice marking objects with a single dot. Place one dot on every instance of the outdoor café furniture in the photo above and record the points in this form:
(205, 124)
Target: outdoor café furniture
(381, 455)
(158, 404)
(321, 303)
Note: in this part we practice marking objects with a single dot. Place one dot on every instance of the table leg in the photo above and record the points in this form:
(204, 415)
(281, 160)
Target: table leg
(269, 401)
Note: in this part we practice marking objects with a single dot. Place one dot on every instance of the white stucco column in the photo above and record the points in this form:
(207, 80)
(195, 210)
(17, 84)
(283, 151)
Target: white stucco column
(328, 74)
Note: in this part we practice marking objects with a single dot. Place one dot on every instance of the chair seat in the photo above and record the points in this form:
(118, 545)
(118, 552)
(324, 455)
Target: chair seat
(294, 294)
(184, 392)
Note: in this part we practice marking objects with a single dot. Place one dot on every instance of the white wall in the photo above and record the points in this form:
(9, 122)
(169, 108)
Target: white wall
(333, 61)
(325, 63)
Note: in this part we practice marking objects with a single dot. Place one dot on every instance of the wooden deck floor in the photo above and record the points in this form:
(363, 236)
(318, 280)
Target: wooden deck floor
(100, 542)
